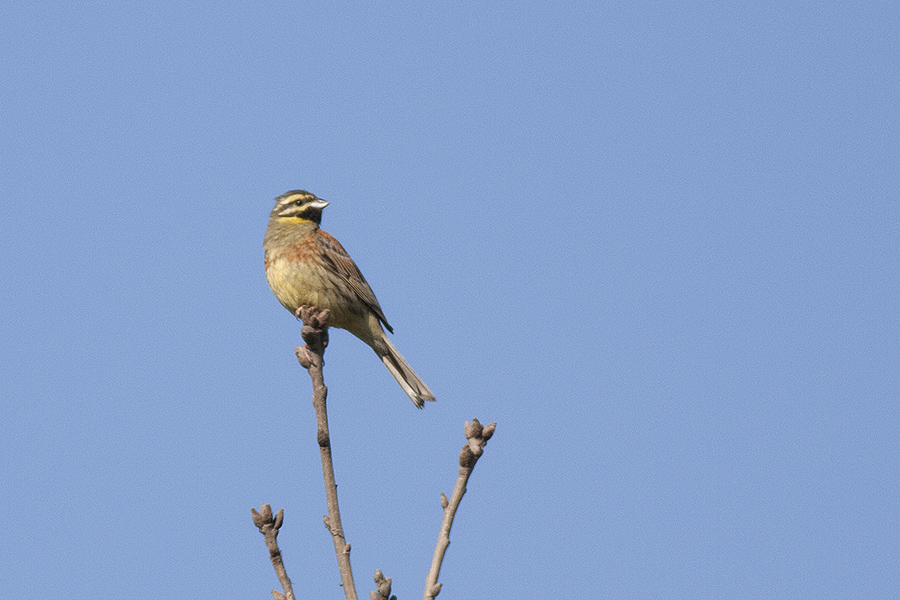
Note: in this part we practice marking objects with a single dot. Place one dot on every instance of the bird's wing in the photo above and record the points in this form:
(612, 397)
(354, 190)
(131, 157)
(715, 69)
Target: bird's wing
(344, 266)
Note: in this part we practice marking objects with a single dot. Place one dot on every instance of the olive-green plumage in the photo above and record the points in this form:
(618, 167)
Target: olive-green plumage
(305, 266)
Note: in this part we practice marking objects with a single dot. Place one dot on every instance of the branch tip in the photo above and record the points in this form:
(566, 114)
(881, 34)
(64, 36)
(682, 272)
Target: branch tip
(477, 436)
(383, 587)
(264, 521)
(269, 526)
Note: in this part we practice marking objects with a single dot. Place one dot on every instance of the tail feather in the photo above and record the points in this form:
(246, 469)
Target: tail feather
(411, 383)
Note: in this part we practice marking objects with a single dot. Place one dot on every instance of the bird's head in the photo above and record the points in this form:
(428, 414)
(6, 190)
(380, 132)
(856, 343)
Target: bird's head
(298, 206)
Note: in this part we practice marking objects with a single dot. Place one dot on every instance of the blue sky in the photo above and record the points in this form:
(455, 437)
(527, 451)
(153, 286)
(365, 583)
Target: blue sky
(657, 242)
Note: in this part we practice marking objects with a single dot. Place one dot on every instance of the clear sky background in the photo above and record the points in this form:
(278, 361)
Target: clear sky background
(657, 242)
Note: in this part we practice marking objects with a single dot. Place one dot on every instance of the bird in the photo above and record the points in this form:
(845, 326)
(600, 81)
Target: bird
(306, 266)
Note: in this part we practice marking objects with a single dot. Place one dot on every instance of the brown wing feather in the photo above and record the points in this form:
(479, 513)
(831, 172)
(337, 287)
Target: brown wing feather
(334, 254)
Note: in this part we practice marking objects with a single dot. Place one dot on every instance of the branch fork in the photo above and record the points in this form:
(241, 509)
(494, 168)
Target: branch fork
(311, 357)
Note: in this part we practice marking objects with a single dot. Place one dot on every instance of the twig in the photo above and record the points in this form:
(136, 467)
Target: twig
(383, 585)
(477, 436)
(311, 356)
(269, 526)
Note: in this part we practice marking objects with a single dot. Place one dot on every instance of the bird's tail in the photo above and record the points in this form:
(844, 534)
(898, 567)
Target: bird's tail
(411, 383)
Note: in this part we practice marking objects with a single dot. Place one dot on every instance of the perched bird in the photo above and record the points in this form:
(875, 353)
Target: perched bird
(307, 266)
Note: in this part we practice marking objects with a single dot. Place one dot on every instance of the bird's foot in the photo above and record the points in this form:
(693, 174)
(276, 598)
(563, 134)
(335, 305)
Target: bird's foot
(314, 331)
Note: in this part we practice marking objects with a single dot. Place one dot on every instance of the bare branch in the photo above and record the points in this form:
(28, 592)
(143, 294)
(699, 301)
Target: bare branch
(477, 437)
(269, 526)
(311, 357)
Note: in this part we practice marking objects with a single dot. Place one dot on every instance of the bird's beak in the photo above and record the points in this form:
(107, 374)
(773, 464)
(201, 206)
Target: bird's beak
(318, 203)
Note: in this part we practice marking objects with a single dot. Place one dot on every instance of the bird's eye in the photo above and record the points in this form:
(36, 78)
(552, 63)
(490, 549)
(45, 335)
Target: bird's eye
(298, 202)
